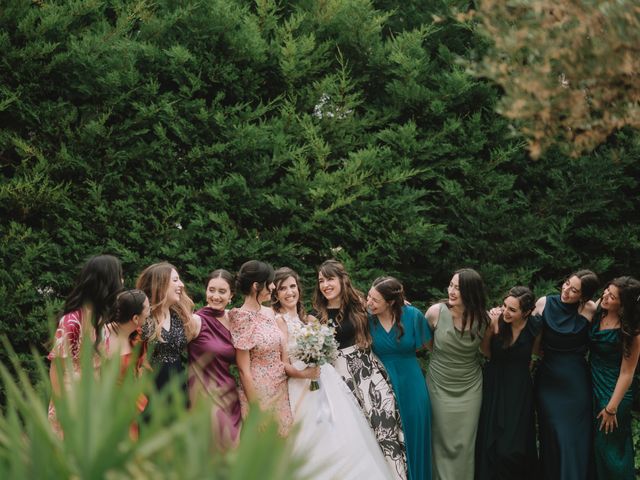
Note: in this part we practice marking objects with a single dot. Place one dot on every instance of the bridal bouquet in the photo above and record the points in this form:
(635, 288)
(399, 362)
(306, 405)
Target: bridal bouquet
(315, 345)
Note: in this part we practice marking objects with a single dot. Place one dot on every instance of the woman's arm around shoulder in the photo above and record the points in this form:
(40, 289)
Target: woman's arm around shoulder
(540, 303)
(588, 310)
(195, 327)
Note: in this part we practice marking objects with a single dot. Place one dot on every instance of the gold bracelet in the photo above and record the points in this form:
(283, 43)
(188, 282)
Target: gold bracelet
(610, 413)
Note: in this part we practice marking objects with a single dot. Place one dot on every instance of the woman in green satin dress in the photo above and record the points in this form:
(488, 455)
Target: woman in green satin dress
(454, 376)
(615, 348)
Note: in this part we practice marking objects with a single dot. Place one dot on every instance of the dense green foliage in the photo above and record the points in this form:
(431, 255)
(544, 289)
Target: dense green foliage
(208, 133)
(96, 414)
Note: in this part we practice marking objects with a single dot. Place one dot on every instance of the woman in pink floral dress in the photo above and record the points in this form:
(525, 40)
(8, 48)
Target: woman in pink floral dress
(259, 346)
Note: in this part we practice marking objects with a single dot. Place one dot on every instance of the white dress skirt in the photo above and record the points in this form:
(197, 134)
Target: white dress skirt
(330, 430)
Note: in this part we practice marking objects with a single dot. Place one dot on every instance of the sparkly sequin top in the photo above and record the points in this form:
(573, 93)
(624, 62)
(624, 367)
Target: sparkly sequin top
(166, 356)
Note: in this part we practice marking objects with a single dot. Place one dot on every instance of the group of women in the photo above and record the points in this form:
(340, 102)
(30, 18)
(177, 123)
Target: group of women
(374, 415)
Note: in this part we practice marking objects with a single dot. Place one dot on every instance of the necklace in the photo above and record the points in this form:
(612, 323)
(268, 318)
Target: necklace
(609, 324)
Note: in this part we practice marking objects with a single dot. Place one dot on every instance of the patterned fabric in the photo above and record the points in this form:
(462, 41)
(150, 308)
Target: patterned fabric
(166, 356)
(67, 338)
(67, 343)
(368, 381)
(259, 333)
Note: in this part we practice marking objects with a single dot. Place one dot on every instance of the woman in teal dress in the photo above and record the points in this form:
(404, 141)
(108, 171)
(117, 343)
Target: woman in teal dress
(563, 382)
(454, 376)
(615, 348)
(397, 332)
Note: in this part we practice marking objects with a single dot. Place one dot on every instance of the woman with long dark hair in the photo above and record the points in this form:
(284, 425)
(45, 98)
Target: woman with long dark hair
(85, 312)
(615, 348)
(398, 331)
(506, 442)
(341, 306)
(563, 380)
(454, 377)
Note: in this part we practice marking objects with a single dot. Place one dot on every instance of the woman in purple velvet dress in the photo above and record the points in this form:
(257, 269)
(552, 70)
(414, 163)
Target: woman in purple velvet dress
(211, 353)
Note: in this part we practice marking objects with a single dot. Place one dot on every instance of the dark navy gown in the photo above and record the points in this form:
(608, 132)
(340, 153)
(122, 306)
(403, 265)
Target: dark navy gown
(564, 394)
(506, 442)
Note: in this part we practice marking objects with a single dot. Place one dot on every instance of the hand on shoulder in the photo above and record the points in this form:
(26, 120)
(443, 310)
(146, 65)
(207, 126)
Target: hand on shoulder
(588, 309)
(540, 303)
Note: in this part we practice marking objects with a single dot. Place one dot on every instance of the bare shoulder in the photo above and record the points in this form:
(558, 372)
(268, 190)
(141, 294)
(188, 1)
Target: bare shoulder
(588, 310)
(432, 315)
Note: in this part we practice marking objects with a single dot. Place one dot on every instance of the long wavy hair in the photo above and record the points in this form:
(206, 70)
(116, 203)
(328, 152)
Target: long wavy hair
(393, 293)
(154, 281)
(629, 291)
(526, 302)
(352, 304)
(474, 298)
(96, 288)
(281, 275)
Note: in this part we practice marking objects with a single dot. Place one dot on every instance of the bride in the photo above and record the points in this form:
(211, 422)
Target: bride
(332, 433)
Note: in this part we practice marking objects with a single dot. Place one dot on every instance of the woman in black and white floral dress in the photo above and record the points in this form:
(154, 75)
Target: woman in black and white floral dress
(340, 305)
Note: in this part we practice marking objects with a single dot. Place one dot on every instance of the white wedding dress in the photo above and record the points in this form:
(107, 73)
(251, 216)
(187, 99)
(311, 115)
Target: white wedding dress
(329, 427)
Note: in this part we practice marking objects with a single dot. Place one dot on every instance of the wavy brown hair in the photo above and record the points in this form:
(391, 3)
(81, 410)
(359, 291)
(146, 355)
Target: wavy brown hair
(154, 281)
(352, 304)
(629, 291)
(280, 276)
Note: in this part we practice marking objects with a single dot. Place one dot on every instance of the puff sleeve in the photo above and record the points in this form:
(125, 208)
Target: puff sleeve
(242, 327)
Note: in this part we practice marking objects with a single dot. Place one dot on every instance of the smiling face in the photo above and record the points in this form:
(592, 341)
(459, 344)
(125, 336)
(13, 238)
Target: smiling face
(288, 294)
(218, 293)
(330, 288)
(511, 311)
(611, 298)
(174, 290)
(571, 290)
(453, 291)
(376, 304)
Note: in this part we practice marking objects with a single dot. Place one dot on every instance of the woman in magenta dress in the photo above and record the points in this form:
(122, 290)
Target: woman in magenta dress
(211, 354)
(260, 346)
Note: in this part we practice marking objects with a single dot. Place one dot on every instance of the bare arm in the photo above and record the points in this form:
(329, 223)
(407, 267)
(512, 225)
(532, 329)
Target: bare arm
(195, 327)
(243, 359)
(627, 369)
(485, 345)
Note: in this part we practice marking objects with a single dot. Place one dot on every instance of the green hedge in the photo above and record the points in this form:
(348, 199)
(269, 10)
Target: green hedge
(207, 133)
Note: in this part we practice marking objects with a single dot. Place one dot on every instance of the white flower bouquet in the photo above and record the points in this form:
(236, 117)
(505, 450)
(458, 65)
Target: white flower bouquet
(315, 345)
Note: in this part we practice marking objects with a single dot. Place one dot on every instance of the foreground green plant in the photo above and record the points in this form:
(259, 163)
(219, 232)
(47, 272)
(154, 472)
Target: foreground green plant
(96, 413)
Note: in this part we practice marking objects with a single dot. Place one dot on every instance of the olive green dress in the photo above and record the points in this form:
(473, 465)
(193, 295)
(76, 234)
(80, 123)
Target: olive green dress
(454, 379)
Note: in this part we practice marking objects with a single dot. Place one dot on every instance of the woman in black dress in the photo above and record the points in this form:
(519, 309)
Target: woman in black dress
(563, 380)
(506, 444)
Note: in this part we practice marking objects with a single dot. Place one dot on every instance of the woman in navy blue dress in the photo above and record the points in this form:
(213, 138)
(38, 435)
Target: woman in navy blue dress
(563, 380)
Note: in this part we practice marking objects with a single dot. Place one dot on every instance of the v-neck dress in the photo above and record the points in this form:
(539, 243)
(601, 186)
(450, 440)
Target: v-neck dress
(506, 443)
(398, 355)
